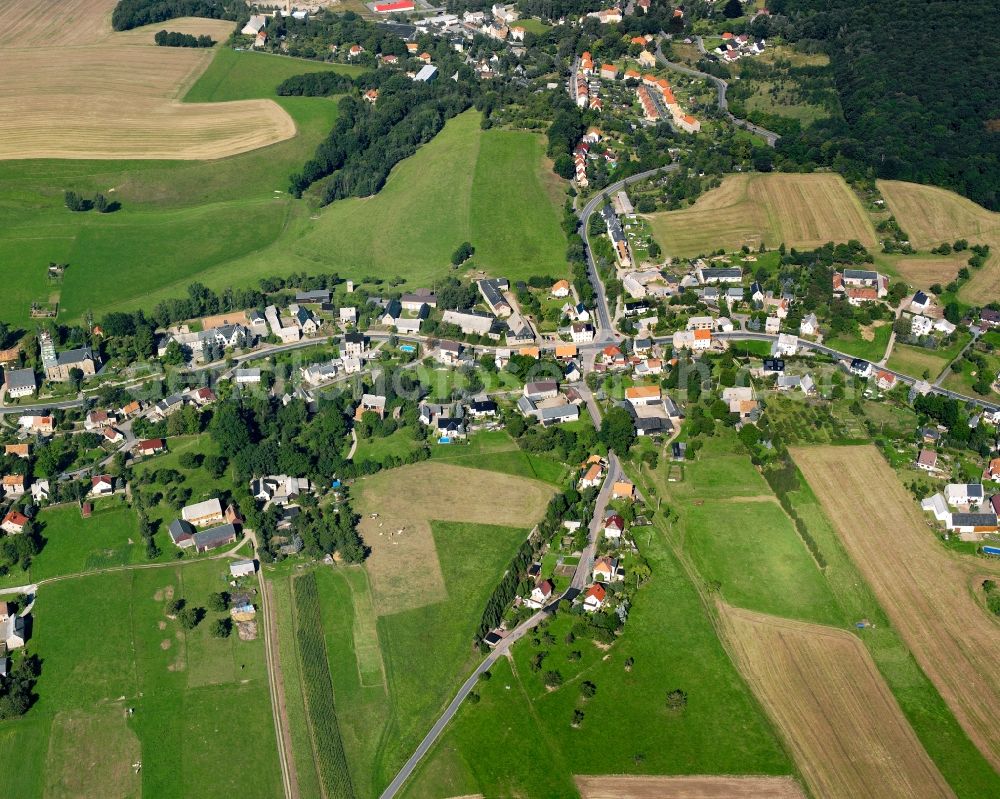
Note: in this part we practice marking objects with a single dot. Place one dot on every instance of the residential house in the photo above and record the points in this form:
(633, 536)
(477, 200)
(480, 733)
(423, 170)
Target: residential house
(786, 345)
(701, 323)
(557, 414)
(19, 382)
(773, 366)
(772, 325)
(348, 315)
(886, 381)
(861, 368)
(278, 489)
(14, 522)
(41, 425)
(96, 420)
(150, 446)
(973, 526)
(13, 485)
(593, 477)
(40, 491)
(788, 382)
(541, 390)
(13, 631)
(713, 274)
(560, 289)
(695, 340)
(581, 332)
(470, 322)
(614, 526)
(449, 353)
(370, 402)
(483, 408)
(989, 318)
(623, 489)
(540, 595)
(113, 435)
(809, 326)
(102, 485)
(202, 514)
(247, 377)
(992, 471)
(607, 570)
(181, 533)
(938, 507)
(202, 396)
(257, 323)
(355, 344)
(594, 598)
(958, 494)
(22, 451)
(920, 302)
(927, 460)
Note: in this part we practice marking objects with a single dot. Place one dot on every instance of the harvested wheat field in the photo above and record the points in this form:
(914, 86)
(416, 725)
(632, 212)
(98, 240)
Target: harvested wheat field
(800, 210)
(923, 588)
(84, 91)
(931, 215)
(838, 717)
(923, 272)
(403, 566)
(709, 787)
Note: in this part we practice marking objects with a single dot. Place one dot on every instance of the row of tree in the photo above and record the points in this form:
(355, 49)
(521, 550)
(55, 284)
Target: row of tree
(175, 39)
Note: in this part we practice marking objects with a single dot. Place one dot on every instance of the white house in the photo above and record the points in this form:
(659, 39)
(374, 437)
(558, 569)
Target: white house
(786, 344)
(809, 326)
(349, 315)
(964, 493)
(540, 594)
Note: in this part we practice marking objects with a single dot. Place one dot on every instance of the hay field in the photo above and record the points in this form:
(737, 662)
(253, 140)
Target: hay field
(403, 567)
(802, 211)
(923, 588)
(708, 787)
(838, 717)
(84, 91)
(931, 215)
(923, 272)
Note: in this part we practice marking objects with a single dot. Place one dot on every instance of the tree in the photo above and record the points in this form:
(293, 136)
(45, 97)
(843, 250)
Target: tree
(564, 166)
(676, 700)
(587, 689)
(219, 602)
(463, 253)
(190, 617)
(175, 606)
(617, 431)
(221, 628)
(553, 679)
(577, 717)
(732, 9)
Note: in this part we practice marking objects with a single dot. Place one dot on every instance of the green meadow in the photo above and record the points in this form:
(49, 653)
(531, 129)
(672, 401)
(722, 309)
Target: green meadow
(130, 703)
(229, 222)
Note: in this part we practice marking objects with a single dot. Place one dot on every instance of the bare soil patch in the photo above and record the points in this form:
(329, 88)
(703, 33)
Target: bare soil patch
(923, 587)
(708, 787)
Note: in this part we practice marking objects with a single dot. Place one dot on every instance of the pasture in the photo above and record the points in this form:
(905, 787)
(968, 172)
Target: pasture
(923, 588)
(78, 739)
(932, 215)
(802, 211)
(626, 787)
(115, 94)
(837, 716)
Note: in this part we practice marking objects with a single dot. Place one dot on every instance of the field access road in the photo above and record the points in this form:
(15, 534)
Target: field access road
(721, 86)
(740, 335)
(604, 329)
(580, 578)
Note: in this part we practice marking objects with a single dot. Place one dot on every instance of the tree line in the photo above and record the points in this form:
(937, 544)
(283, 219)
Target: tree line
(315, 84)
(130, 14)
(175, 39)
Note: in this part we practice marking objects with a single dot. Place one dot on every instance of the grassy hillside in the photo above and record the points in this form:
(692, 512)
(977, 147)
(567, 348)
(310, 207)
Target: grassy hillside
(230, 222)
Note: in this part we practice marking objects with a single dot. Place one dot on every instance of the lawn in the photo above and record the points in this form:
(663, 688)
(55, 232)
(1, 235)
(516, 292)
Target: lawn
(915, 360)
(717, 473)
(496, 451)
(964, 380)
(192, 695)
(871, 349)
(671, 638)
(399, 444)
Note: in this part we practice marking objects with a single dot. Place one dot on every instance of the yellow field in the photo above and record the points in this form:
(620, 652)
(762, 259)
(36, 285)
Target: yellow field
(925, 590)
(403, 566)
(931, 215)
(81, 90)
(924, 272)
(708, 787)
(802, 211)
(841, 722)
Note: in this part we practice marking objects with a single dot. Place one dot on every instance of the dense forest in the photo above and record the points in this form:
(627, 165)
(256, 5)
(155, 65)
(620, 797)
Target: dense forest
(130, 14)
(919, 91)
(315, 84)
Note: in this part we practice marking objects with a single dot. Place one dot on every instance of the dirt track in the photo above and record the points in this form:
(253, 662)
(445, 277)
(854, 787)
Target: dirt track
(835, 712)
(923, 588)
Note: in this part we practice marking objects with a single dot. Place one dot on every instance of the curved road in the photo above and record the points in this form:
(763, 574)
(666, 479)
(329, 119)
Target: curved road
(721, 87)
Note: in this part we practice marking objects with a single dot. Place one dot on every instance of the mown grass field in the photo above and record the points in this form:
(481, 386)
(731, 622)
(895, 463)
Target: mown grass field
(931, 216)
(802, 211)
(496, 451)
(869, 344)
(107, 645)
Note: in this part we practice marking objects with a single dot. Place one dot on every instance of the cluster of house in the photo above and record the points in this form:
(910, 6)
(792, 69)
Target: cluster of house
(503, 321)
(658, 101)
(653, 412)
(205, 525)
(623, 253)
(860, 285)
(542, 400)
(454, 421)
(354, 350)
(925, 318)
(587, 86)
(582, 154)
(735, 47)
(965, 509)
(404, 315)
